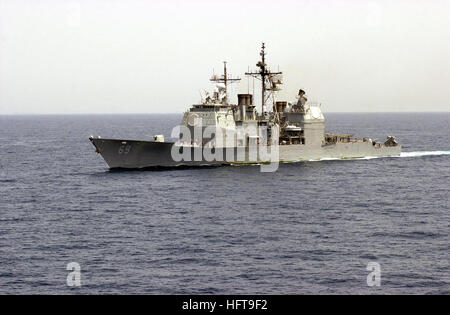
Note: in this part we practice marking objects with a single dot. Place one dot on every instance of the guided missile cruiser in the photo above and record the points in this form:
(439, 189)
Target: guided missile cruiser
(216, 132)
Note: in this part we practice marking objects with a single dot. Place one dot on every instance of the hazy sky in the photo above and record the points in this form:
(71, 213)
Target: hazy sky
(99, 56)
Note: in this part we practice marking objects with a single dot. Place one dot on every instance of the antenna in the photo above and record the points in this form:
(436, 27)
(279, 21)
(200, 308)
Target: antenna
(225, 80)
(264, 73)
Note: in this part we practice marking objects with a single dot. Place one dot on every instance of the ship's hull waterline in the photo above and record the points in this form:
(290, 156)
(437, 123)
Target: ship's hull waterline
(138, 154)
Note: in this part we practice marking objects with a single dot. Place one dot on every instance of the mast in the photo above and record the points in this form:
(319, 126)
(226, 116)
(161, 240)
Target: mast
(225, 80)
(264, 73)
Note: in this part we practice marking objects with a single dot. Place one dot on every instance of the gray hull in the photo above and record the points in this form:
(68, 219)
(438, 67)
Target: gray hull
(134, 154)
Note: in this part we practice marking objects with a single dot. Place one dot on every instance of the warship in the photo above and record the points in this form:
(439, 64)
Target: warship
(216, 132)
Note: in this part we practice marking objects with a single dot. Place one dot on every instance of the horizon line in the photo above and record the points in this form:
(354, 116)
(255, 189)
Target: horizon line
(178, 113)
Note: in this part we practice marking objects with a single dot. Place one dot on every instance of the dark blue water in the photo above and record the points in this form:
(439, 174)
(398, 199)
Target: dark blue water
(310, 227)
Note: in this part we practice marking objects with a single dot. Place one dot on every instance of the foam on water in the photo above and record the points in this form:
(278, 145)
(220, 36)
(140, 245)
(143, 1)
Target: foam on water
(403, 154)
(423, 153)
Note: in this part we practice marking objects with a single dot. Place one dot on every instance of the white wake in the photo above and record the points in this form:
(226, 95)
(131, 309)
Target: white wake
(423, 153)
(403, 154)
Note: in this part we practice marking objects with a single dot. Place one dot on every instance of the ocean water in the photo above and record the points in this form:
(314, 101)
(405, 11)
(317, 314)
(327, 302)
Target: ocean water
(310, 227)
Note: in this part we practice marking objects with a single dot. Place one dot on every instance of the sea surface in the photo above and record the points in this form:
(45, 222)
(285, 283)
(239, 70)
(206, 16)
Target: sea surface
(310, 227)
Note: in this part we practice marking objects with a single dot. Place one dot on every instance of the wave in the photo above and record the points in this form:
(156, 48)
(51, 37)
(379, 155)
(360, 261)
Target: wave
(423, 153)
(402, 154)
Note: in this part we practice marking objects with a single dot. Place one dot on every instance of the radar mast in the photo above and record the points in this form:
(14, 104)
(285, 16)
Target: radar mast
(225, 80)
(263, 74)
